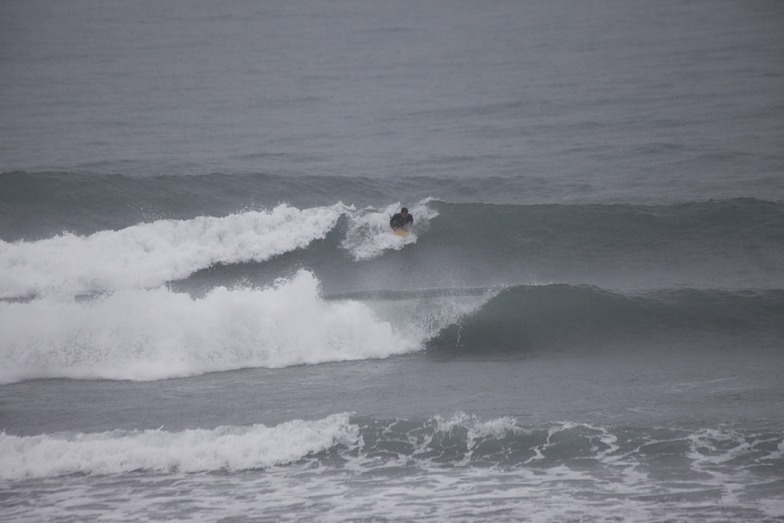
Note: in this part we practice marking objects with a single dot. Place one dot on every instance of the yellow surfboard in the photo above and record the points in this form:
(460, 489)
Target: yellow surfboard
(401, 232)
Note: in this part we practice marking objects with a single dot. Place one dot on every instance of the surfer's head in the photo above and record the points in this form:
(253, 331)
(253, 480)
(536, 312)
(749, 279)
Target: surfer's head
(403, 211)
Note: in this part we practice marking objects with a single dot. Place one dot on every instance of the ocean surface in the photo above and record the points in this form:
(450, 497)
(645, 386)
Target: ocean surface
(205, 317)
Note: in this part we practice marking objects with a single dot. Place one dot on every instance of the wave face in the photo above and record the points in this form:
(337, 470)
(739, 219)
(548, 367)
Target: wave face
(523, 318)
(721, 244)
(631, 227)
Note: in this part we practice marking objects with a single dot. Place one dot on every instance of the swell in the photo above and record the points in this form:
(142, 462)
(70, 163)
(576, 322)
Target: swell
(725, 244)
(40, 205)
(525, 318)
(732, 244)
(609, 226)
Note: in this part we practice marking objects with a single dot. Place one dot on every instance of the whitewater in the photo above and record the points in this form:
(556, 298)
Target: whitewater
(149, 255)
(204, 315)
(102, 309)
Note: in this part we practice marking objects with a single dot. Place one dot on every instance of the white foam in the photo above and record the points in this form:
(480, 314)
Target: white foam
(153, 334)
(197, 450)
(149, 254)
(368, 234)
(476, 428)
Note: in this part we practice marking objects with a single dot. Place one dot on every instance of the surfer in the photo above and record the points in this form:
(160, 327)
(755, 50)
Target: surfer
(401, 220)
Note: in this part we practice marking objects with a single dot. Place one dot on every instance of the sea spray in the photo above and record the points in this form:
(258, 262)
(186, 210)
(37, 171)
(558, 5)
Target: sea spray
(369, 235)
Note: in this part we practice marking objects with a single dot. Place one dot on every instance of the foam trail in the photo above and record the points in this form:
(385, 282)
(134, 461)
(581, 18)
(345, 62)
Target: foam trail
(154, 334)
(150, 254)
(196, 450)
(368, 234)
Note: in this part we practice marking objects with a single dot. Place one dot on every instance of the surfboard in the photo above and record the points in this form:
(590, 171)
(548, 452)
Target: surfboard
(401, 232)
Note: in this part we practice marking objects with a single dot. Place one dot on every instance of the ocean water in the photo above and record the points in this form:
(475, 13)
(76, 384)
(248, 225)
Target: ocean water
(204, 316)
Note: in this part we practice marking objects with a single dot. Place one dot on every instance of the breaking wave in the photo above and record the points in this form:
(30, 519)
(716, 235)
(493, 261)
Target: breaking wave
(363, 443)
(154, 334)
(150, 254)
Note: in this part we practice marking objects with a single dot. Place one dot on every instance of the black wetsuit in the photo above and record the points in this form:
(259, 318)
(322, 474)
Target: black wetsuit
(397, 221)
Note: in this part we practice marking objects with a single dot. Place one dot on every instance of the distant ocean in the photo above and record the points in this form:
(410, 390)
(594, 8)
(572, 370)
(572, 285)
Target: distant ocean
(205, 317)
